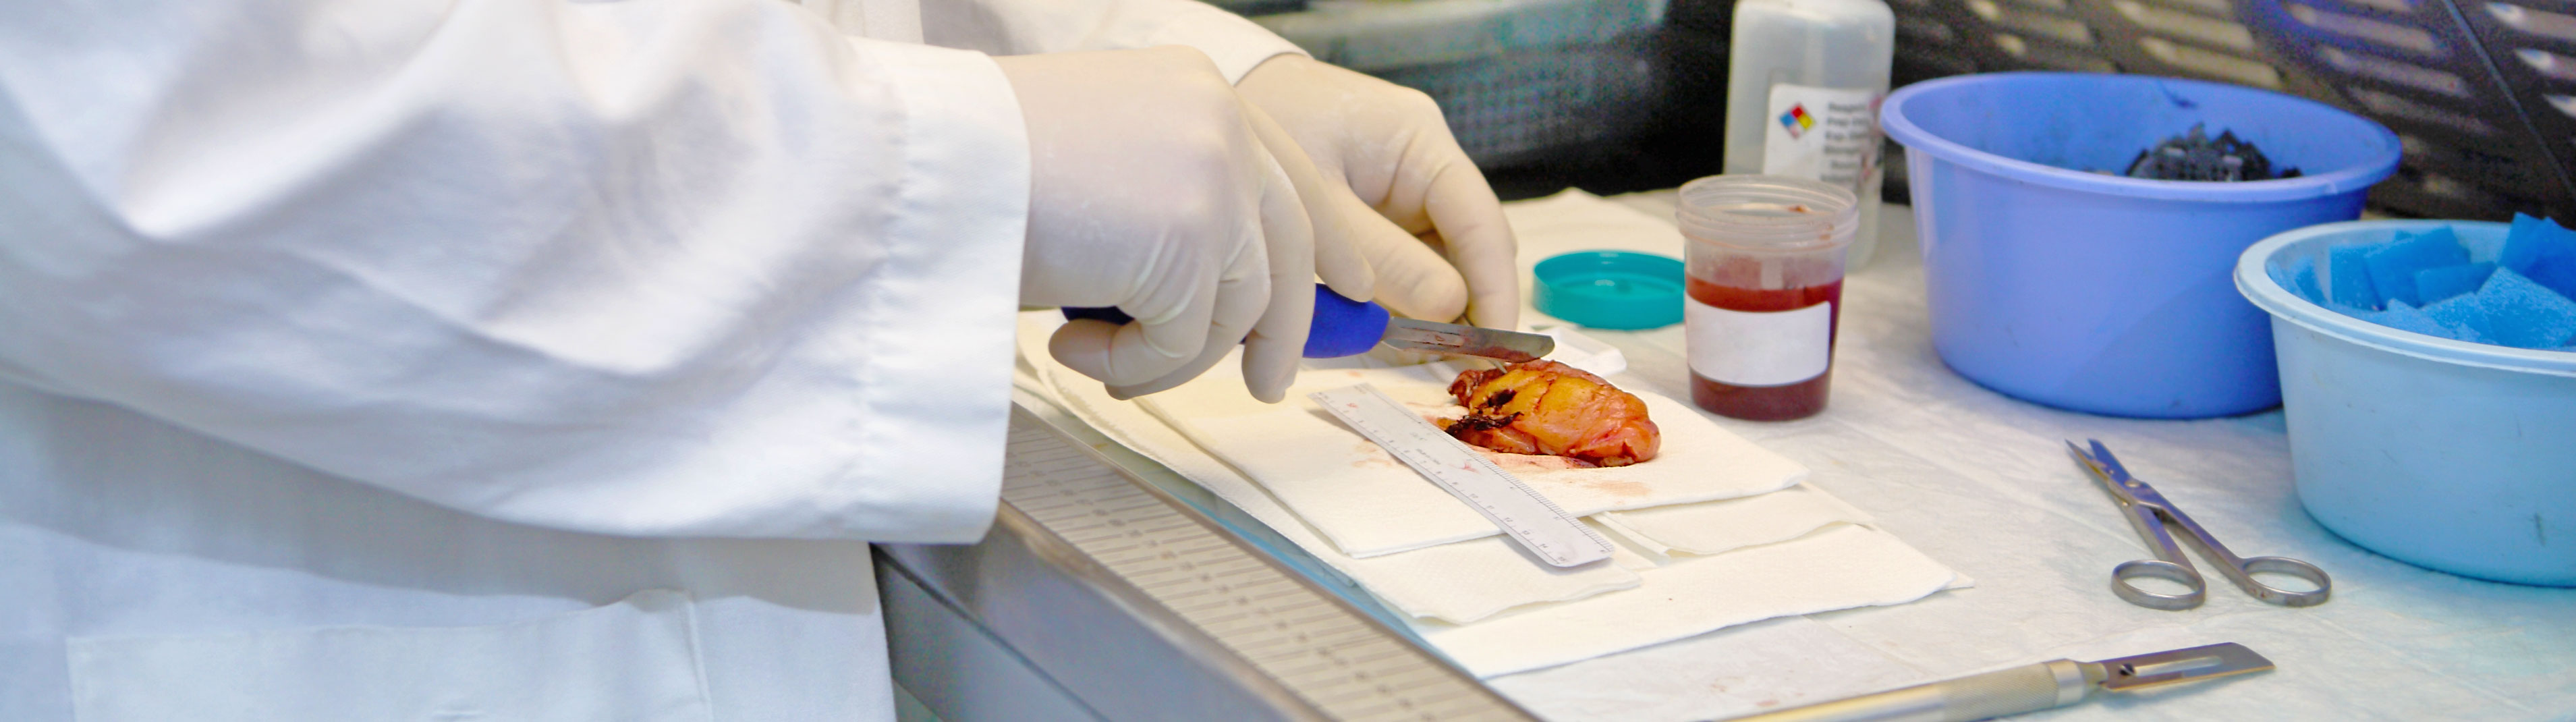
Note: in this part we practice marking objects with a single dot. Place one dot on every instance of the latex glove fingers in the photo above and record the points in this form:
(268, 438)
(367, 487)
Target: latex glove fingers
(1390, 148)
(1145, 349)
(1241, 299)
(1336, 254)
(1413, 279)
(1145, 190)
(1468, 219)
(1292, 249)
(1303, 238)
(1436, 195)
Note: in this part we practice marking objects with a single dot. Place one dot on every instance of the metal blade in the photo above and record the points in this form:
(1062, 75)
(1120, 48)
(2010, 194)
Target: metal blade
(1510, 346)
(2102, 476)
(2086, 459)
(2102, 455)
(2180, 665)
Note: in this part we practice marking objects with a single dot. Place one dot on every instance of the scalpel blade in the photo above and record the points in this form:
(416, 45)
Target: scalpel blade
(1509, 346)
(2180, 665)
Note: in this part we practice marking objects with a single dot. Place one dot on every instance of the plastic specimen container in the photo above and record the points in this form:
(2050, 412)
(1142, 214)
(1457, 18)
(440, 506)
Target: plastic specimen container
(1765, 285)
(2445, 454)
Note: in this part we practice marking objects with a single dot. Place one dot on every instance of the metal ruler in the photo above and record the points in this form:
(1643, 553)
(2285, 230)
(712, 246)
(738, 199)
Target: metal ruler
(1537, 523)
(1279, 645)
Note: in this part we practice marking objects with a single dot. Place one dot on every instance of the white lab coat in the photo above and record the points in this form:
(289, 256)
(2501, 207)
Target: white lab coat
(501, 359)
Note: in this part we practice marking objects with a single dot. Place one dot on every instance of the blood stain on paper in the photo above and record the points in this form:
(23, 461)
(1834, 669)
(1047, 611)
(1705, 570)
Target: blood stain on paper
(1531, 463)
(1372, 457)
(1617, 487)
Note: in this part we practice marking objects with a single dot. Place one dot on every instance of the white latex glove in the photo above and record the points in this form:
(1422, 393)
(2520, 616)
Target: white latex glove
(1411, 195)
(1153, 190)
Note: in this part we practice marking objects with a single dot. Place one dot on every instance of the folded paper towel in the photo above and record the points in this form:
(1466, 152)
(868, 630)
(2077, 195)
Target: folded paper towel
(1717, 527)
(1369, 503)
(1838, 567)
(1454, 589)
(1458, 582)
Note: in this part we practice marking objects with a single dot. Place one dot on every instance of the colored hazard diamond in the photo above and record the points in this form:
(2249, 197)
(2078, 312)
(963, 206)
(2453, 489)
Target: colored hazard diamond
(1797, 120)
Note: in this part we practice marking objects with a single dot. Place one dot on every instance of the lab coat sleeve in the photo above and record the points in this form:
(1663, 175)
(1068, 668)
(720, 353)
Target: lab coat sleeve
(1020, 27)
(704, 268)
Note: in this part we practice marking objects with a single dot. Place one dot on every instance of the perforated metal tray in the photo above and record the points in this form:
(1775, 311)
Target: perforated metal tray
(1520, 80)
(2481, 92)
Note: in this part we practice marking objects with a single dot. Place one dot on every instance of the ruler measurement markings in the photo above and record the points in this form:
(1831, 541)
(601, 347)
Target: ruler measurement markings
(1528, 517)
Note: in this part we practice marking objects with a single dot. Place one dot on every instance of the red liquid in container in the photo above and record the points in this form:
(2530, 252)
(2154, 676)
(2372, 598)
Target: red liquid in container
(1767, 403)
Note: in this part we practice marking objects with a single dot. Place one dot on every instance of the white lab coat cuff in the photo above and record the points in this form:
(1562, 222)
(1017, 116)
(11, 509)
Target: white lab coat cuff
(937, 373)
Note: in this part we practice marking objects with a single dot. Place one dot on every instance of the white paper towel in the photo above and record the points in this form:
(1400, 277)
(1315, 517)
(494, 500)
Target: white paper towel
(1457, 582)
(1839, 567)
(1716, 527)
(1467, 581)
(1370, 504)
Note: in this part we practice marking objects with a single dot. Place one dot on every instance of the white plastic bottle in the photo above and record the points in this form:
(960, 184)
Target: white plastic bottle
(1803, 84)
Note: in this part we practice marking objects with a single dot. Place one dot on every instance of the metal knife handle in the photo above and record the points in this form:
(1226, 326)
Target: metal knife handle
(1342, 327)
(1993, 694)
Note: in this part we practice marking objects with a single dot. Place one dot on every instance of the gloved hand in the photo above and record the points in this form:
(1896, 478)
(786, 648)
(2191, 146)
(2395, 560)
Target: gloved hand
(1156, 190)
(1405, 186)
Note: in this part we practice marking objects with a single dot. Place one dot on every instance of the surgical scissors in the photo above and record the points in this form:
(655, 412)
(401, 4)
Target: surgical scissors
(2149, 512)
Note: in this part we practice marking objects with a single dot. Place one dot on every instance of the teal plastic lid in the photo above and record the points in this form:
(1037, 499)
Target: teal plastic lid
(1610, 289)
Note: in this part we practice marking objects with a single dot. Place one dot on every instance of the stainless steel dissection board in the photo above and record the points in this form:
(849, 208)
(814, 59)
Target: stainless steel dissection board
(1100, 595)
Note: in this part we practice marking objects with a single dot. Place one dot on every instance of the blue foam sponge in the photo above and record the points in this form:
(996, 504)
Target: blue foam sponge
(2300, 277)
(2435, 284)
(2348, 277)
(2542, 251)
(2427, 285)
(2393, 266)
(2464, 316)
(2407, 318)
(2524, 314)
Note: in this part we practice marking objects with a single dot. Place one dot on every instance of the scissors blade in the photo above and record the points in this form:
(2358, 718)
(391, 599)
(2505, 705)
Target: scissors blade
(2111, 464)
(2137, 501)
(2102, 475)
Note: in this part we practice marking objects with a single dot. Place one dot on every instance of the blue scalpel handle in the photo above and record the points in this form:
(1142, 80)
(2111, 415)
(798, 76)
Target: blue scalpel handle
(1342, 327)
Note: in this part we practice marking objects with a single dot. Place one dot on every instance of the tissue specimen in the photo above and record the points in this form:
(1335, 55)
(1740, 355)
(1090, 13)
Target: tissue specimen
(1549, 408)
(2198, 157)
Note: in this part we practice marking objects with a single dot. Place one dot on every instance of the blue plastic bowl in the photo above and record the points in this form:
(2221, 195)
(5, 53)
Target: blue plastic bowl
(2104, 293)
(2445, 454)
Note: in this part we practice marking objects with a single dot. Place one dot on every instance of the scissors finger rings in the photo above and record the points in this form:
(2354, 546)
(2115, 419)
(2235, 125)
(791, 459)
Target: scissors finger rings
(2151, 515)
(2199, 588)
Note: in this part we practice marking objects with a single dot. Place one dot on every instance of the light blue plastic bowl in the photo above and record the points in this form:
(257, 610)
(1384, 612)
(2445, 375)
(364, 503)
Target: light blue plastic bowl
(2103, 293)
(2445, 454)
